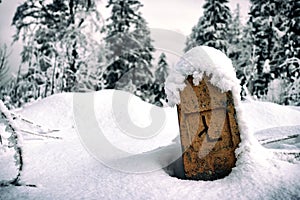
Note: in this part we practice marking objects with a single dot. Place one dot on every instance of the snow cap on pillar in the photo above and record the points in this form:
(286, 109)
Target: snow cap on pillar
(197, 62)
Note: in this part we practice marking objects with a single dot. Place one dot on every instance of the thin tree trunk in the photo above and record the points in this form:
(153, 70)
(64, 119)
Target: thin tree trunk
(53, 76)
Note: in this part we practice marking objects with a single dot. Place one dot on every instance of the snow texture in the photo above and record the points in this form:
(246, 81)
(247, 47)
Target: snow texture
(63, 169)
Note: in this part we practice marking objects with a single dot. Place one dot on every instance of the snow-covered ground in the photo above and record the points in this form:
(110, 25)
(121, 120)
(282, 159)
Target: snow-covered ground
(68, 169)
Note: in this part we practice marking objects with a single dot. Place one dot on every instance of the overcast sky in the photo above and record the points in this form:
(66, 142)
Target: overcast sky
(176, 15)
(181, 15)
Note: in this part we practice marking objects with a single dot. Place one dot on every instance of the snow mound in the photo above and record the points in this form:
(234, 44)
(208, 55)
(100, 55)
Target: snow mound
(64, 169)
(55, 111)
(285, 137)
(125, 119)
(265, 115)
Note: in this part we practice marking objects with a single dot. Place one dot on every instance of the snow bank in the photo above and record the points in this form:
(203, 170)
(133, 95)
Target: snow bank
(55, 111)
(131, 124)
(264, 115)
(63, 169)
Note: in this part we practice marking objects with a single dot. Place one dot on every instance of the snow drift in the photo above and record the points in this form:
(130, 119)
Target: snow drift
(64, 169)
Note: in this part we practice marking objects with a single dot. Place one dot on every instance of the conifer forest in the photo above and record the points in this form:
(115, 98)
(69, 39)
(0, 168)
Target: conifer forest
(68, 46)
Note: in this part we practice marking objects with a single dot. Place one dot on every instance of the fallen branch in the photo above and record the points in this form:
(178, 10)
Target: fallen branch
(15, 116)
(273, 140)
(36, 134)
(290, 156)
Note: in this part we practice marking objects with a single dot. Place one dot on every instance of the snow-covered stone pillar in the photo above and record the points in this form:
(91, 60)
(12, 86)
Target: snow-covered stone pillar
(205, 89)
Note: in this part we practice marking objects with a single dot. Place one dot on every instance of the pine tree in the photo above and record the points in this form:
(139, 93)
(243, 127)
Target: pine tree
(246, 61)
(235, 37)
(161, 73)
(261, 21)
(212, 27)
(270, 22)
(240, 51)
(130, 46)
(286, 56)
(293, 51)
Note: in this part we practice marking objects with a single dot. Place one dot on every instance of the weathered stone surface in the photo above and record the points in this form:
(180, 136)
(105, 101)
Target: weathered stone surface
(209, 131)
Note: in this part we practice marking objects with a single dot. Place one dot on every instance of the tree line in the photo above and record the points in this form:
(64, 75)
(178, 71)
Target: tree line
(265, 51)
(69, 47)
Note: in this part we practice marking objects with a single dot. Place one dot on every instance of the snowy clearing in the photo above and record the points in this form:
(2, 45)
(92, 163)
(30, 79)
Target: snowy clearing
(64, 169)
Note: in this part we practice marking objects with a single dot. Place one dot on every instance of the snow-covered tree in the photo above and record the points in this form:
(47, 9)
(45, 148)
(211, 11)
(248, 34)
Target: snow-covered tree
(235, 37)
(56, 38)
(246, 63)
(212, 27)
(288, 56)
(14, 141)
(23, 88)
(240, 51)
(161, 73)
(130, 46)
(4, 69)
(156, 90)
(6, 80)
(262, 15)
(275, 30)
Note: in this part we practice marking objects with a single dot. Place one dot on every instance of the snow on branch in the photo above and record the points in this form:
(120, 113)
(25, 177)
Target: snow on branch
(14, 141)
